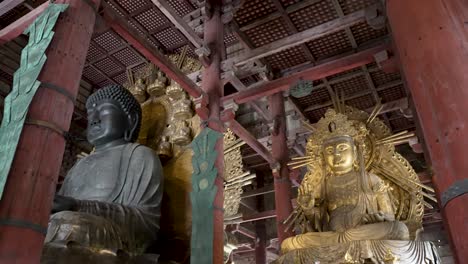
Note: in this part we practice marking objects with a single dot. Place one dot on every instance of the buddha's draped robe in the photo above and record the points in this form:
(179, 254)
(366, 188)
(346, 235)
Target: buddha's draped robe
(119, 192)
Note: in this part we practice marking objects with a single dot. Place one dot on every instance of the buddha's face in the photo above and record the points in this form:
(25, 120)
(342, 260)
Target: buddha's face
(340, 154)
(107, 122)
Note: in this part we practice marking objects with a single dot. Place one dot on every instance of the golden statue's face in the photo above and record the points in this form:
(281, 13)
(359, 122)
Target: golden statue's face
(340, 155)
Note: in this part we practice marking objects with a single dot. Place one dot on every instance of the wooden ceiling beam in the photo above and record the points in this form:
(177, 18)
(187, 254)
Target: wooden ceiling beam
(356, 95)
(300, 38)
(17, 28)
(250, 140)
(179, 22)
(276, 15)
(255, 105)
(121, 27)
(314, 73)
(8, 5)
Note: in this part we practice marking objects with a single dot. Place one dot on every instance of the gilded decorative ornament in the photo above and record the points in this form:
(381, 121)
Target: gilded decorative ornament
(234, 176)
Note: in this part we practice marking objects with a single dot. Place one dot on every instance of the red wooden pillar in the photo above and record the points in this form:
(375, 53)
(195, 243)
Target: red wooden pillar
(280, 153)
(26, 202)
(213, 87)
(432, 41)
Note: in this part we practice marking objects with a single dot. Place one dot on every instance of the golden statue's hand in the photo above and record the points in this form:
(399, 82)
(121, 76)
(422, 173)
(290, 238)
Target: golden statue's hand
(376, 217)
(305, 197)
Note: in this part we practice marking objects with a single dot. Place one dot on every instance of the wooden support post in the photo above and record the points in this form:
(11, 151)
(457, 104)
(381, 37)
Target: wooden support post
(212, 86)
(280, 153)
(27, 199)
(431, 38)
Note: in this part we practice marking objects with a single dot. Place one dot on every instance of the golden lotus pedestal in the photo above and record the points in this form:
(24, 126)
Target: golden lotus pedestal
(366, 251)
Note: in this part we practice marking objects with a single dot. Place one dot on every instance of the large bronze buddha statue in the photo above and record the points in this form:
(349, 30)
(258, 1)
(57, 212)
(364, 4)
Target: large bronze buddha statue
(360, 201)
(109, 204)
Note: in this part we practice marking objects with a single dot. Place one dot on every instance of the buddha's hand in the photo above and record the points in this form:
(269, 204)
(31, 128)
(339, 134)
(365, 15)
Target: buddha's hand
(375, 217)
(63, 203)
(305, 197)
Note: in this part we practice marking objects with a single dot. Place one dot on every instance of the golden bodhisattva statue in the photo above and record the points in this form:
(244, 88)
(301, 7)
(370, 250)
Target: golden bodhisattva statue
(360, 201)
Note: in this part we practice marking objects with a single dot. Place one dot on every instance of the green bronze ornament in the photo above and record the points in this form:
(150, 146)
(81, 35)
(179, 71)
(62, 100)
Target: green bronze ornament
(203, 194)
(25, 85)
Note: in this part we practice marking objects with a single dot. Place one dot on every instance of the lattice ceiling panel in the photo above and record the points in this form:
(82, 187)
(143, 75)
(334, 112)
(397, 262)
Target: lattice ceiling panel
(170, 38)
(92, 75)
(120, 78)
(252, 10)
(401, 124)
(182, 7)
(109, 41)
(152, 19)
(330, 45)
(394, 114)
(315, 115)
(190, 51)
(229, 39)
(341, 74)
(380, 77)
(350, 6)
(313, 15)
(318, 96)
(287, 58)
(108, 66)
(392, 94)
(105, 83)
(287, 3)
(132, 5)
(268, 32)
(363, 102)
(351, 86)
(248, 80)
(138, 68)
(127, 57)
(362, 33)
(93, 53)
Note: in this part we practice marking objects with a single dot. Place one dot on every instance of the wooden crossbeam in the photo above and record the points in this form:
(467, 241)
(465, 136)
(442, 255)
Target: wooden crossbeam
(17, 28)
(8, 5)
(300, 38)
(314, 73)
(356, 95)
(255, 105)
(250, 140)
(151, 53)
(178, 22)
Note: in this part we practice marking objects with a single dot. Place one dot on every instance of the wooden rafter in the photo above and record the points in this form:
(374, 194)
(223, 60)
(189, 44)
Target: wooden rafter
(8, 5)
(292, 28)
(314, 73)
(179, 23)
(119, 25)
(300, 38)
(17, 28)
(356, 95)
(290, 9)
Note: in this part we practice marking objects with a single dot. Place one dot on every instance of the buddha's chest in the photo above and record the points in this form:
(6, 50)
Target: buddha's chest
(342, 190)
(95, 177)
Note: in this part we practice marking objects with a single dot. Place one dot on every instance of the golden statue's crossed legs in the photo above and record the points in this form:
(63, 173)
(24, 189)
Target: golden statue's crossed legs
(377, 231)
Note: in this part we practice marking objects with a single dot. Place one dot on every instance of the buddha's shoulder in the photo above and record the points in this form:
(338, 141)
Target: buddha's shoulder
(140, 151)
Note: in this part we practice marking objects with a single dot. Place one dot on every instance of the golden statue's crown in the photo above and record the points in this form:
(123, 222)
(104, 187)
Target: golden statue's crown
(334, 125)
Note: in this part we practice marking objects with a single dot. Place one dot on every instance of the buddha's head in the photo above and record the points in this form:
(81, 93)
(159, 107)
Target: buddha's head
(113, 115)
(340, 154)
